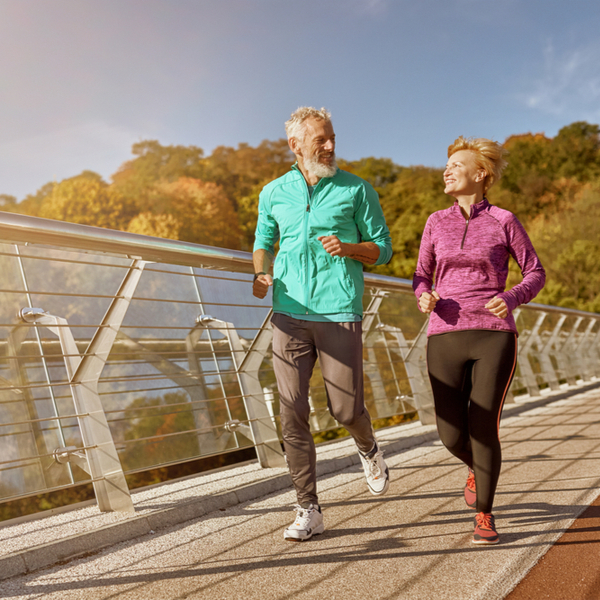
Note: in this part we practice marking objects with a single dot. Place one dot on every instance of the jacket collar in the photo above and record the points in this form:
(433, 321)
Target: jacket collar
(476, 208)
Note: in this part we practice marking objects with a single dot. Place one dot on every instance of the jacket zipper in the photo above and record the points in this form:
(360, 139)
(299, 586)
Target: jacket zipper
(306, 263)
(464, 235)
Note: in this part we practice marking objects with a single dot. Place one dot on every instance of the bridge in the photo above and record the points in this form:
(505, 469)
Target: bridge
(124, 353)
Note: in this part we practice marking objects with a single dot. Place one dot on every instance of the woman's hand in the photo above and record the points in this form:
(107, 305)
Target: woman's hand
(428, 301)
(497, 307)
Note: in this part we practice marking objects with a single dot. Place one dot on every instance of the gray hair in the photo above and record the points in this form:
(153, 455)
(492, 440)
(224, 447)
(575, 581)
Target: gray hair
(295, 127)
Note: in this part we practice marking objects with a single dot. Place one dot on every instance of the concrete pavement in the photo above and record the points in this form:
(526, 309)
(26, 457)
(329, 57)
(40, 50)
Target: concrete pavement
(413, 543)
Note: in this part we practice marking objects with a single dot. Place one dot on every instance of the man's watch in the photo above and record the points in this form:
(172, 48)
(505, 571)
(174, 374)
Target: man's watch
(257, 274)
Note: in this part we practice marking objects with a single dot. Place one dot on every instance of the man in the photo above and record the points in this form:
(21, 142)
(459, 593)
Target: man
(328, 223)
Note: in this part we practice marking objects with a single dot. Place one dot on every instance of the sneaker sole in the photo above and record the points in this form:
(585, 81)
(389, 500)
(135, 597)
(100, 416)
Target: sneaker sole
(316, 531)
(486, 542)
(385, 487)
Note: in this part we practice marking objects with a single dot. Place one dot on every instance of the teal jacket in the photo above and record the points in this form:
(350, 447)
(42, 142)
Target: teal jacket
(306, 279)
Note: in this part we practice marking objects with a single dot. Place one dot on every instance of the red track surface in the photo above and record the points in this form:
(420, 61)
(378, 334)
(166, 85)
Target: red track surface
(570, 570)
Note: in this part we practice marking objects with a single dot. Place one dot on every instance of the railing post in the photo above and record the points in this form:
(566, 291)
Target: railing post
(582, 351)
(552, 347)
(370, 366)
(247, 364)
(527, 338)
(594, 354)
(568, 351)
(110, 486)
(415, 362)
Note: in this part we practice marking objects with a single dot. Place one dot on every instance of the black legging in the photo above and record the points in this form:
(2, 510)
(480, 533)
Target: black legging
(470, 373)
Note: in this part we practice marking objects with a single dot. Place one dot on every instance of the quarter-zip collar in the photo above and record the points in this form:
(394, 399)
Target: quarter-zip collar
(475, 208)
(474, 211)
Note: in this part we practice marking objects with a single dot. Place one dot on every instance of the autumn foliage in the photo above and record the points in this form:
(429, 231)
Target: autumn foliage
(551, 184)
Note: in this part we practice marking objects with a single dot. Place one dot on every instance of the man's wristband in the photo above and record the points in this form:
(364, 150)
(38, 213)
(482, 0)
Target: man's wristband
(257, 274)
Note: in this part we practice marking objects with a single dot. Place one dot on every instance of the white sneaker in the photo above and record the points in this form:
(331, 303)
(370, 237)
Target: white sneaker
(376, 472)
(308, 522)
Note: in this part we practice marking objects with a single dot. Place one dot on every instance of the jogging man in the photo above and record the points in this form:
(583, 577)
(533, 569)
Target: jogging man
(328, 223)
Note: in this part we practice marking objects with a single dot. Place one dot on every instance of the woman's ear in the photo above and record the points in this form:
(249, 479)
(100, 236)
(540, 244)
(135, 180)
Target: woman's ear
(481, 175)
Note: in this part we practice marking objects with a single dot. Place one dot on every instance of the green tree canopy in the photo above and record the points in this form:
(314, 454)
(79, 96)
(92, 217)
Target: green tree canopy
(155, 162)
(191, 210)
(87, 200)
(407, 203)
(240, 170)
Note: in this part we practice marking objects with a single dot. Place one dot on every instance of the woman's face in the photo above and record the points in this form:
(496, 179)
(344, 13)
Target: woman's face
(462, 176)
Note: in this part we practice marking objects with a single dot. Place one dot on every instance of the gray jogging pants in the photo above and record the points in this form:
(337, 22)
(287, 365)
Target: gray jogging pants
(338, 346)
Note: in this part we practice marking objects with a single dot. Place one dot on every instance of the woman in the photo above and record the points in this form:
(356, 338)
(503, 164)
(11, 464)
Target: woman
(472, 337)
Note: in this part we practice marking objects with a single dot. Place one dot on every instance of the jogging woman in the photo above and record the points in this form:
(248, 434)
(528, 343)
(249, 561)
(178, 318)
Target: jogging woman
(472, 337)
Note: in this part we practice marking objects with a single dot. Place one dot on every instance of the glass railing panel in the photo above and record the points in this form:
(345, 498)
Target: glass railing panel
(171, 387)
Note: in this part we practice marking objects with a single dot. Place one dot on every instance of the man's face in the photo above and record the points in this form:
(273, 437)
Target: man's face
(317, 149)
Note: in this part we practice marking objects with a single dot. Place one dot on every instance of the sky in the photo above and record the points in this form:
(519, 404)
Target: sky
(83, 80)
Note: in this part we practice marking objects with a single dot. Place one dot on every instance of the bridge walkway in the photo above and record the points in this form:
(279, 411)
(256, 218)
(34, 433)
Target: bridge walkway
(414, 543)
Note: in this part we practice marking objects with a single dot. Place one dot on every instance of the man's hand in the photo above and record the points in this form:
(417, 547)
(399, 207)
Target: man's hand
(261, 285)
(428, 301)
(333, 246)
(364, 252)
(497, 307)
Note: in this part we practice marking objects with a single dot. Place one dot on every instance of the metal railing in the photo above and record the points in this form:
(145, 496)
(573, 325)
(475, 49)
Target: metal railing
(122, 353)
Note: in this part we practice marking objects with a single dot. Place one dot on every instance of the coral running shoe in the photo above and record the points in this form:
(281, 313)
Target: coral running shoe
(470, 491)
(485, 529)
(308, 522)
(376, 471)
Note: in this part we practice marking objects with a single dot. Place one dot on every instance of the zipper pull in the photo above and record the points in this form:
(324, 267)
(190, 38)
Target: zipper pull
(308, 208)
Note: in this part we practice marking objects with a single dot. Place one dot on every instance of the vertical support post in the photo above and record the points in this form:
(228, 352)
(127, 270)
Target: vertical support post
(594, 354)
(543, 355)
(582, 354)
(524, 349)
(110, 486)
(370, 366)
(552, 347)
(568, 352)
(247, 364)
(415, 362)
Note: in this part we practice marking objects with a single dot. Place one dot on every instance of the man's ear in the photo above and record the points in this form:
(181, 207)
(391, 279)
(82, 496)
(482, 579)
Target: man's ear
(294, 145)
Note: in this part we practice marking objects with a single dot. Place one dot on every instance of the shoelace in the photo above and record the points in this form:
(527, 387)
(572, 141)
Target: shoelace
(471, 481)
(374, 469)
(485, 521)
(303, 515)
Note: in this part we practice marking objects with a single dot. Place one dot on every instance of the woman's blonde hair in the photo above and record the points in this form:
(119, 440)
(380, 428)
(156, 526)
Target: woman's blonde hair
(489, 156)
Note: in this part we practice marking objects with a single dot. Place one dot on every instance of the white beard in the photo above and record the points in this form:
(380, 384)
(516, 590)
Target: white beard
(313, 166)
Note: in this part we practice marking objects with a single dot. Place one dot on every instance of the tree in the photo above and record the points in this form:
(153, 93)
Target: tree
(576, 151)
(194, 210)
(153, 163)
(240, 170)
(8, 202)
(32, 203)
(379, 172)
(161, 225)
(88, 200)
(568, 244)
(407, 203)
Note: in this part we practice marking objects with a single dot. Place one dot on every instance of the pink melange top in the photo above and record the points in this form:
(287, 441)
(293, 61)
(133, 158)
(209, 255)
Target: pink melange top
(470, 260)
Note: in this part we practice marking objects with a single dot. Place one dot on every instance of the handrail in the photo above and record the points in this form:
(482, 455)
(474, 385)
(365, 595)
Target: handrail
(73, 236)
(23, 228)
